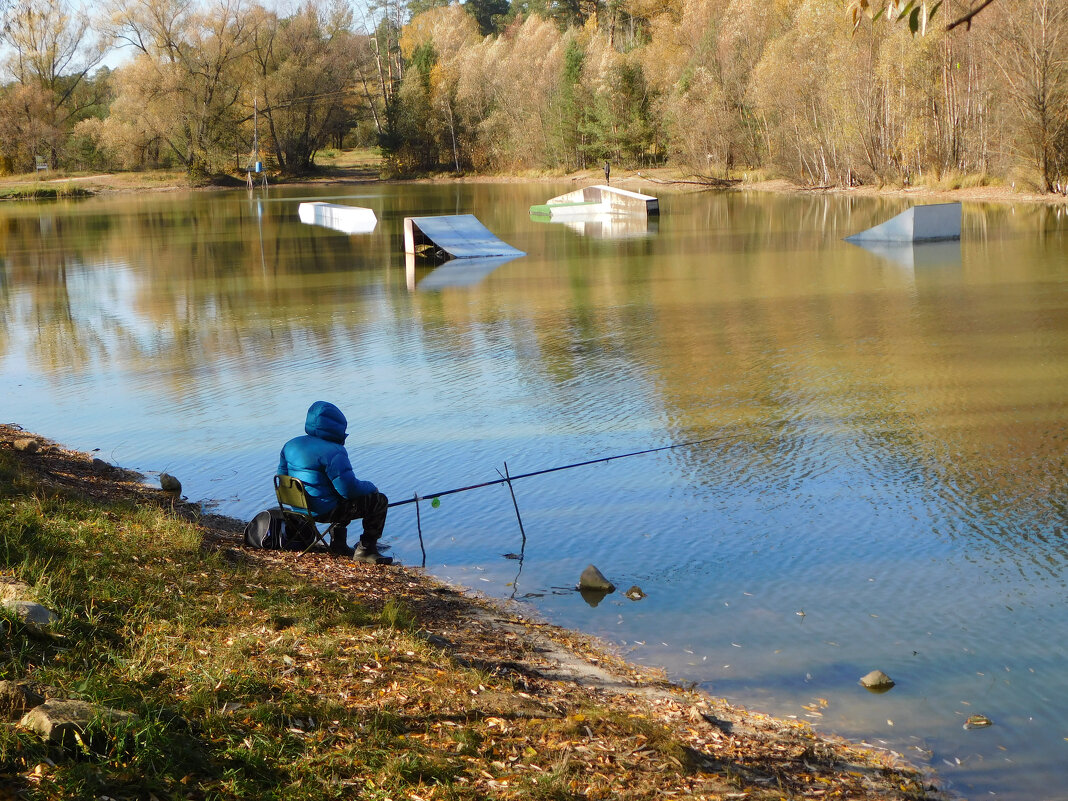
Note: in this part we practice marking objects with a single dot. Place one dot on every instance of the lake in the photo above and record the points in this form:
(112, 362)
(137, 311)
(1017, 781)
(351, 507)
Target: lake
(885, 485)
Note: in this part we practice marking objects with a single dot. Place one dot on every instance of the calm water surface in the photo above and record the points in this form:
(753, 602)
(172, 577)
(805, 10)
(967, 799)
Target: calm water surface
(888, 488)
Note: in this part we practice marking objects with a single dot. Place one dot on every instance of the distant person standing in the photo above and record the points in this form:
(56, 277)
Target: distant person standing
(608, 173)
(335, 495)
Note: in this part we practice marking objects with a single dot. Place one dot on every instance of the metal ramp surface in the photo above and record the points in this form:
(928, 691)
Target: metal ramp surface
(456, 236)
(930, 223)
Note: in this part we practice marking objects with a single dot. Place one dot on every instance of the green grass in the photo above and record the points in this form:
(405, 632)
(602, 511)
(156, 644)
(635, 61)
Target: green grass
(233, 670)
(41, 192)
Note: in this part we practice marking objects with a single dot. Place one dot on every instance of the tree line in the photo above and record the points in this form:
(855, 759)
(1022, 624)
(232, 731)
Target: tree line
(812, 90)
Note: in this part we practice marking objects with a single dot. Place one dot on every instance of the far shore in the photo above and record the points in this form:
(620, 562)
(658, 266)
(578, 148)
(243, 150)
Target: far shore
(363, 169)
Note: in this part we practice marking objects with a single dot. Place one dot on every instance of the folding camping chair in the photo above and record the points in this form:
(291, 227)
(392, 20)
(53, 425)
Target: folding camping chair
(293, 503)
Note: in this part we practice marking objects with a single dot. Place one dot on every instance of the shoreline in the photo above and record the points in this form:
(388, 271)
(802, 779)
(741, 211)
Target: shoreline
(665, 179)
(723, 751)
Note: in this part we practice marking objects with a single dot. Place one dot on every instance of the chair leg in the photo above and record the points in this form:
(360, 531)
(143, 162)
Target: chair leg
(320, 537)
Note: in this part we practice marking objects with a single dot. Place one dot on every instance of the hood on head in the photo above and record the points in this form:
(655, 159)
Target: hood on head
(327, 422)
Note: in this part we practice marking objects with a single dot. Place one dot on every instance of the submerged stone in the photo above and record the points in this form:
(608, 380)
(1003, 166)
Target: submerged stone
(635, 593)
(877, 682)
(593, 579)
(978, 722)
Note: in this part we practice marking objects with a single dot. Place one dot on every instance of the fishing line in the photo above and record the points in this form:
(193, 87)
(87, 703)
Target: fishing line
(506, 479)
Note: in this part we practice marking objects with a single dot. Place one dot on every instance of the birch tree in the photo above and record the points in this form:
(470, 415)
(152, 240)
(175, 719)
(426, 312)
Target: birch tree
(1032, 55)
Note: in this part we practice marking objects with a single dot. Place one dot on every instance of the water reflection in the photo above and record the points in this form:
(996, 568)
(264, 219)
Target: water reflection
(453, 273)
(606, 226)
(890, 452)
(919, 254)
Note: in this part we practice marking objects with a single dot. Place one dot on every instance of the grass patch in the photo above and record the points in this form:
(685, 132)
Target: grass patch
(953, 179)
(233, 671)
(42, 192)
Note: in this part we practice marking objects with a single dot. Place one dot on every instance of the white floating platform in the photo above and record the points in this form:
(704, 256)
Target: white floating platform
(346, 219)
(931, 223)
(599, 199)
(457, 236)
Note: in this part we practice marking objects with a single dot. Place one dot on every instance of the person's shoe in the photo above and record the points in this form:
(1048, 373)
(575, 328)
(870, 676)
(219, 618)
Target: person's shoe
(339, 541)
(341, 549)
(370, 555)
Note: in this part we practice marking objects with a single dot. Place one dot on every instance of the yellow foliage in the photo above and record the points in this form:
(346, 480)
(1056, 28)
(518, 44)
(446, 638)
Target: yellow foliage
(449, 28)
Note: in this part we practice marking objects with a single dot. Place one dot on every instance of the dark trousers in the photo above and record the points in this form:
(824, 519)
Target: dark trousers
(370, 508)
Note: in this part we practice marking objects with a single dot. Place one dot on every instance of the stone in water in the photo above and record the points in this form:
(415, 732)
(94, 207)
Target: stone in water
(593, 579)
(877, 681)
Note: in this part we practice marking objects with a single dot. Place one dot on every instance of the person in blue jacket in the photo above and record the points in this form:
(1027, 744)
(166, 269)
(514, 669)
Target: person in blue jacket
(319, 459)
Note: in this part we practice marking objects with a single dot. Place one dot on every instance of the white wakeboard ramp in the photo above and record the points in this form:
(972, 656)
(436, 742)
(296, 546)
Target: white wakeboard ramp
(346, 219)
(932, 223)
(456, 236)
(598, 199)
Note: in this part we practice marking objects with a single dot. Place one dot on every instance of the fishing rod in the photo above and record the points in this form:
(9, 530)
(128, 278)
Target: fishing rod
(507, 479)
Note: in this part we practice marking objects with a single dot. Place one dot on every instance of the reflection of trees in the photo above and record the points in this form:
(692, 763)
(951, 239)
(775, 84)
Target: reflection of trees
(36, 287)
(825, 359)
(177, 286)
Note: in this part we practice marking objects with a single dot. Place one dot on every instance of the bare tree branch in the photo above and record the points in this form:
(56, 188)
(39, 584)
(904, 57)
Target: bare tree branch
(966, 20)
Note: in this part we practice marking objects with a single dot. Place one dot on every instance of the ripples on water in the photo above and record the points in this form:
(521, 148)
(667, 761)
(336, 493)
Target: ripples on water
(886, 490)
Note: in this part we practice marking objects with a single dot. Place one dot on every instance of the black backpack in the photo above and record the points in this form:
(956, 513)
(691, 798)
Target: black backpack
(270, 529)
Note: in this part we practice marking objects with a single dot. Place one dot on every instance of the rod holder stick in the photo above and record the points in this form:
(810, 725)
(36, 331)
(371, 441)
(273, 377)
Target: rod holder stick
(419, 526)
(523, 547)
(508, 481)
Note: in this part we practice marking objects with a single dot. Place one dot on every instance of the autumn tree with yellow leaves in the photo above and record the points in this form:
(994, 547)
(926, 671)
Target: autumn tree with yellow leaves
(825, 92)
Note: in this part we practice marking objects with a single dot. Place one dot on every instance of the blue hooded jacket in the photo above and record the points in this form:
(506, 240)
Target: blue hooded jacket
(320, 460)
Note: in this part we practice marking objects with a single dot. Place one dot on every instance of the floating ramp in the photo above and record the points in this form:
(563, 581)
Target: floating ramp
(938, 221)
(346, 219)
(457, 236)
(598, 199)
